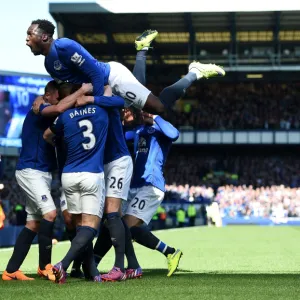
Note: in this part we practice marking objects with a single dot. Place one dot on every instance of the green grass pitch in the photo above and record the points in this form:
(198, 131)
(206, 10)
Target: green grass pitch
(218, 263)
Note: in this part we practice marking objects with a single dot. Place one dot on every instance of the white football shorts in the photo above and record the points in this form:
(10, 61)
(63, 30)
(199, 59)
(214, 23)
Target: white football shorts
(124, 84)
(37, 187)
(85, 192)
(117, 177)
(143, 202)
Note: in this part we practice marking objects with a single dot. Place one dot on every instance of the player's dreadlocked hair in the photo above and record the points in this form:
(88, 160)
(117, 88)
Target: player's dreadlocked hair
(45, 25)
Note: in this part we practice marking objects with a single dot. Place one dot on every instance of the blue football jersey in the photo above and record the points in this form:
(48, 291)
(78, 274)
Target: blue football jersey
(61, 153)
(116, 146)
(36, 153)
(68, 61)
(85, 131)
(1, 168)
(151, 146)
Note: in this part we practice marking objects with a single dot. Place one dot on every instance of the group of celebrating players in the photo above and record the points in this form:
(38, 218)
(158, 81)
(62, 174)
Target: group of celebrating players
(76, 126)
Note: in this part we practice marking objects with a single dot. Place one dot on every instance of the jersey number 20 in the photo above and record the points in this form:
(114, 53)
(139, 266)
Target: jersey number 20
(88, 133)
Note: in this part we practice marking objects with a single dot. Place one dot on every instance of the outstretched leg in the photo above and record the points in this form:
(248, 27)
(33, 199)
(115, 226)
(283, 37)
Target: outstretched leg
(172, 93)
(144, 237)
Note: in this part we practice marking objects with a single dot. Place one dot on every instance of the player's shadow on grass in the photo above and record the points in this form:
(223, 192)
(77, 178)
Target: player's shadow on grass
(146, 272)
(218, 274)
(162, 272)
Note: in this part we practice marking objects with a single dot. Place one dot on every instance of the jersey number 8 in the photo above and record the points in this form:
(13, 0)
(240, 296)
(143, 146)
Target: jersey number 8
(88, 133)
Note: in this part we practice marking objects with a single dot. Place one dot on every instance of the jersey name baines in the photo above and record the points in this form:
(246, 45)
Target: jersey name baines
(82, 112)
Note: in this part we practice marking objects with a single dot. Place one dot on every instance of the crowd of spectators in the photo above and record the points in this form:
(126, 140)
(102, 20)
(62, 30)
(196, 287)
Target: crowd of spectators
(270, 201)
(226, 106)
(189, 193)
(277, 201)
(261, 183)
(197, 169)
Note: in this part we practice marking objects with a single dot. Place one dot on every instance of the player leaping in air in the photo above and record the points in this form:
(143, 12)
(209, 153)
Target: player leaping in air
(153, 137)
(67, 60)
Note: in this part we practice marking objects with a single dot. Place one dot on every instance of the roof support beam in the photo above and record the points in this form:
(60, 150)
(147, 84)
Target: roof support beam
(277, 45)
(111, 43)
(63, 28)
(233, 53)
(112, 46)
(192, 41)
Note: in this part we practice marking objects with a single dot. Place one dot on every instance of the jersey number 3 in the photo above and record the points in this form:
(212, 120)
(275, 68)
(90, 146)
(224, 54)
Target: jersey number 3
(88, 133)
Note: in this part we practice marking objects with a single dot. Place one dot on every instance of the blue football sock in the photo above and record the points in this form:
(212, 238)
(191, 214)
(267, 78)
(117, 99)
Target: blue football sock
(172, 93)
(45, 243)
(103, 243)
(117, 234)
(143, 236)
(84, 236)
(21, 249)
(139, 70)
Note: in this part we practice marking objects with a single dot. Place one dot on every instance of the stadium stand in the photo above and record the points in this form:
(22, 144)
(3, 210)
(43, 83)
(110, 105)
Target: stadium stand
(227, 106)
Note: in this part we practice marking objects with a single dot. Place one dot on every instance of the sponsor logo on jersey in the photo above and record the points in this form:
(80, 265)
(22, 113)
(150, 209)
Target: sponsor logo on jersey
(77, 59)
(57, 65)
(142, 145)
(142, 142)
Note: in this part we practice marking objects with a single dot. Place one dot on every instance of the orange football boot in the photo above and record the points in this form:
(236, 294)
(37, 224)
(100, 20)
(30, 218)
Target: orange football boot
(18, 275)
(47, 273)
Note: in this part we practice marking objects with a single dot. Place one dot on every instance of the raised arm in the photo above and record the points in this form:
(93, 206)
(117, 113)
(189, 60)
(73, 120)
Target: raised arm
(102, 101)
(166, 128)
(39, 100)
(66, 103)
(74, 55)
(105, 101)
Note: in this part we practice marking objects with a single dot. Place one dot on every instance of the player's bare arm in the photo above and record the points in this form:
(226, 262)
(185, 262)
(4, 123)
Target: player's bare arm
(49, 136)
(39, 100)
(148, 118)
(67, 102)
(84, 100)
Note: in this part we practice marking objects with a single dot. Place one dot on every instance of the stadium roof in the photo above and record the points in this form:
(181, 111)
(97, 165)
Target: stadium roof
(246, 41)
(171, 6)
(122, 20)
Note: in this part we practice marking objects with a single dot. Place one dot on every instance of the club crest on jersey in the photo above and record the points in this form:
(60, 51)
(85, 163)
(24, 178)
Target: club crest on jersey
(44, 198)
(151, 130)
(57, 65)
(77, 59)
